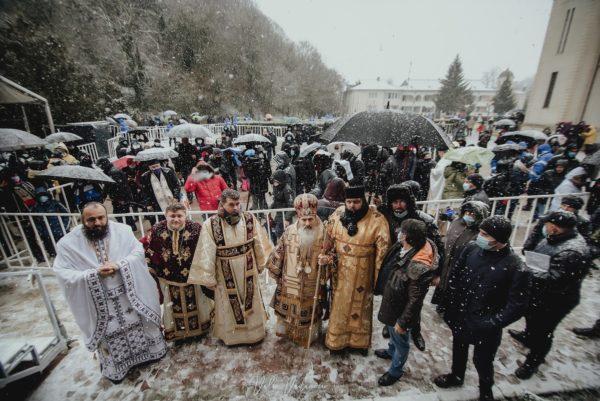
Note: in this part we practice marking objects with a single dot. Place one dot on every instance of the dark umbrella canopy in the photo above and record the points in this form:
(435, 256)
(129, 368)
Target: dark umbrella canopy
(387, 128)
(529, 136)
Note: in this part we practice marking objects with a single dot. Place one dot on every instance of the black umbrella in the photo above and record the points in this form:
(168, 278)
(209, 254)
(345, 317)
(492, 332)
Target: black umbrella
(529, 136)
(387, 128)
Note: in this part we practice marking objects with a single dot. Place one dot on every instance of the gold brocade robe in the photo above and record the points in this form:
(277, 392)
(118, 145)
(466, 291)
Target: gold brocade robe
(296, 277)
(359, 259)
(231, 258)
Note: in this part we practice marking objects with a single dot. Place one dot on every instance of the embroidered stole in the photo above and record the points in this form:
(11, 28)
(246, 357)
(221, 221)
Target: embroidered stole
(224, 253)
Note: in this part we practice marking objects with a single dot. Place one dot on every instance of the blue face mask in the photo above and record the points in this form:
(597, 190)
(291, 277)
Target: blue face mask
(469, 220)
(571, 155)
(466, 186)
(483, 243)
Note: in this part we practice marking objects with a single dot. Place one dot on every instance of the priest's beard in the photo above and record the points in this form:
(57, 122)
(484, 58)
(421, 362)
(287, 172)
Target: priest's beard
(307, 238)
(95, 233)
(350, 218)
(231, 218)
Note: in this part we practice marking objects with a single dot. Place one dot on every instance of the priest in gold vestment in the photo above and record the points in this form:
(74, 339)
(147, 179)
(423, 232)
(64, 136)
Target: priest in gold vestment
(357, 238)
(300, 291)
(232, 251)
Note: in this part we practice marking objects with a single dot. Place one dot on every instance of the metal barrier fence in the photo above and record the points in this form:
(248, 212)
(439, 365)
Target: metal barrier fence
(158, 132)
(29, 239)
(25, 354)
(90, 149)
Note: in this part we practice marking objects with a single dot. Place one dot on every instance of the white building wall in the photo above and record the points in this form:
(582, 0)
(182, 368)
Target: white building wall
(575, 66)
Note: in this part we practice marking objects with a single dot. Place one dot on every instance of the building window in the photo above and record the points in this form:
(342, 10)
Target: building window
(550, 89)
(372, 95)
(418, 98)
(565, 31)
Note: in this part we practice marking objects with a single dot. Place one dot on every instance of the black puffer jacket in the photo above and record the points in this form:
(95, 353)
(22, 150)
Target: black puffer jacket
(407, 280)
(569, 264)
(476, 195)
(487, 291)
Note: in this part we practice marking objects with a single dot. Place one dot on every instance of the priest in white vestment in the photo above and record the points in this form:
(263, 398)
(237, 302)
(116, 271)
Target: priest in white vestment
(101, 268)
(232, 251)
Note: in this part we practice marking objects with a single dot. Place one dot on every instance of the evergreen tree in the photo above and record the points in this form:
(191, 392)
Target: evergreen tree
(504, 99)
(455, 94)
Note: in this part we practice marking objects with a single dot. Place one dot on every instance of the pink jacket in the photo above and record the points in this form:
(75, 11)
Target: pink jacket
(207, 192)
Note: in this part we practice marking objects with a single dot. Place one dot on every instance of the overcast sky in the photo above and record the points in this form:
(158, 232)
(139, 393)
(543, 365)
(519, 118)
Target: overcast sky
(370, 38)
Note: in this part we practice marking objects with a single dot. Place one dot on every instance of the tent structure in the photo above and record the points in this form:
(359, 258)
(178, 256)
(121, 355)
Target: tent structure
(13, 93)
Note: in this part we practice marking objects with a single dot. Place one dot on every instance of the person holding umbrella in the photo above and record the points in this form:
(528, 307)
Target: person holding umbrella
(119, 191)
(399, 167)
(159, 187)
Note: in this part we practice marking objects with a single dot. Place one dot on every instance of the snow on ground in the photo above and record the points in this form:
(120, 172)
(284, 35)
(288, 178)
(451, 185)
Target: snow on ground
(278, 370)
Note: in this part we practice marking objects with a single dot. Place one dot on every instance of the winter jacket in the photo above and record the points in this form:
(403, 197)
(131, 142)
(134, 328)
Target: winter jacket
(454, 180)
(487, 291)
(207, 191)
(187, 158)
(498, 185)
(476, 195)
(283, 162)
(569, 264)
(398, 168)
(405, 283)
(566, 187)
(571, 163)
(584, 227)
(457, 237)
(324, 178)
(147, 193)
(394, 223)
(589, 137)
(119, 191)
(422, 175)
(305, 175)
(547, 183)
(538, 168)
(54, 222)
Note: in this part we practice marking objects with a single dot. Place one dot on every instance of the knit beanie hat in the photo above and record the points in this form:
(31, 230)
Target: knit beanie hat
(498, 227)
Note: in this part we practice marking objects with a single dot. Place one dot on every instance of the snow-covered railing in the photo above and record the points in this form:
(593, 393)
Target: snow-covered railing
(159, 132)
(23, 232)
(90, 149)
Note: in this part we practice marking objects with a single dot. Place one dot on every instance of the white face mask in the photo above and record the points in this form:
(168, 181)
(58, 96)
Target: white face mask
(203, 175)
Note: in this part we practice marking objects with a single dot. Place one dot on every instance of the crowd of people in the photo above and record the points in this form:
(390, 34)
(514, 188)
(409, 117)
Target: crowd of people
(356, 231)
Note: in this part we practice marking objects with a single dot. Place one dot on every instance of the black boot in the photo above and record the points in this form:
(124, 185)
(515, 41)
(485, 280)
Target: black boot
(447, 381)
(520, 336)
(385, 332)
(418, 340)
(526, 370)
(486, 394)
(589, 332)
(387, 380)
(382, 353)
